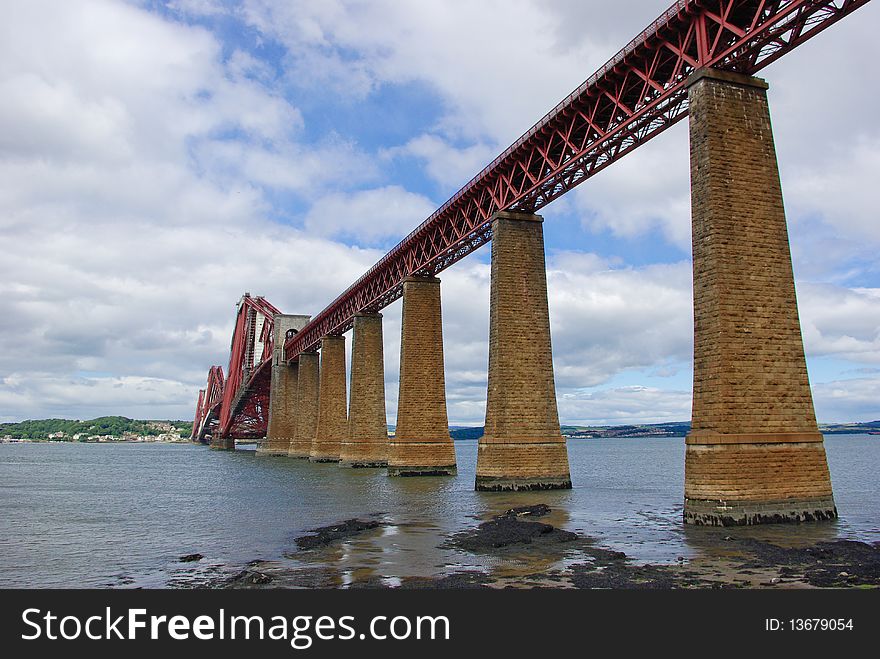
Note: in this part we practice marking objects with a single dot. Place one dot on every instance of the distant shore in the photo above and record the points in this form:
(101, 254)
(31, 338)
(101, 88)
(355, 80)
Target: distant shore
(456, 433)
(13, 440)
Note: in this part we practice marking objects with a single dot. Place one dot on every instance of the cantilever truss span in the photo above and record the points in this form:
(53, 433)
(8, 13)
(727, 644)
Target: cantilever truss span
(239, 405)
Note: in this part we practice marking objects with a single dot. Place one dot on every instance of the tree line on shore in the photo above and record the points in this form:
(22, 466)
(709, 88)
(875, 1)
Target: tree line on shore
(113, 426)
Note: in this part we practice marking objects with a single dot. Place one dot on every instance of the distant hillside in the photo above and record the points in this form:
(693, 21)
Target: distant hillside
(117, 426)
(849, 428)
(114, 426)
(648, 430)
(682, 428)
(674, 429)
(465, 432)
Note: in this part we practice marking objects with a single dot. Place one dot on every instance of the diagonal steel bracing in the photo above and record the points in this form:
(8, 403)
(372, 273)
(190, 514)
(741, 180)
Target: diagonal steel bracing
(635, 96)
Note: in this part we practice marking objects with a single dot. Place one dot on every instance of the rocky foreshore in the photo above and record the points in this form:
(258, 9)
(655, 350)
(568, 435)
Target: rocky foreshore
(570, 560)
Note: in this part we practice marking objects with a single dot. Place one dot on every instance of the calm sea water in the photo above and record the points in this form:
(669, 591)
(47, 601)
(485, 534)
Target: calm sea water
(93, 515)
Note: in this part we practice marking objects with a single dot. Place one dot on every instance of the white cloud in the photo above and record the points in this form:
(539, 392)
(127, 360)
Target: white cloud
(473, 54)
(843, 322)
(88, 397)
(847, 400)
(606, 320)
(622, 405)
(840, 188)
(451, 166)
(199, 7)
(127, 240)
(154, 309)
(368, 215)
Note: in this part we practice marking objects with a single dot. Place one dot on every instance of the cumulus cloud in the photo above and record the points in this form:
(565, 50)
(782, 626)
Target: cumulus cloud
(154, 311)
(633, 404)
(368, 215)
(448, 165)
(472, 54)
(847, 400)
(127, 238)
(839, 189)
(81, 397)
(840, 321)
(606, 320)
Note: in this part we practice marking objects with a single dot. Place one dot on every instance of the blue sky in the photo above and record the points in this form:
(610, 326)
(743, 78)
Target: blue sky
(158, 159)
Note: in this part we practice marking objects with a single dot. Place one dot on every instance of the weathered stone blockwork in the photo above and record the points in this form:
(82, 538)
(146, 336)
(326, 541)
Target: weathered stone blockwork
(282, 390)
(421, 445)
(366, 441)
(332, 424)
(754, 438)
(522, 446)
(282, 410)
(223, 443)
(306, 405)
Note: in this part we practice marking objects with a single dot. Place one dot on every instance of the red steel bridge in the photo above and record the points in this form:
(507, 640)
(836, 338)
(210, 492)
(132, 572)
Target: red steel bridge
(636, 95)
(238, 406)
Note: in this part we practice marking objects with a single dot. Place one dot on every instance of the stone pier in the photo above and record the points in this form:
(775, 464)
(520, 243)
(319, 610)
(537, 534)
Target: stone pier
(366, 441)
(223, 443)
(421, 445)
(282, 389)
(307, 389)
(522, 447)
(754, 453)
(332, 424)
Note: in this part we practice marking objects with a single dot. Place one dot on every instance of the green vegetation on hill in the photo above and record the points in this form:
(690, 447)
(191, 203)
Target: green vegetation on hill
(114, 426)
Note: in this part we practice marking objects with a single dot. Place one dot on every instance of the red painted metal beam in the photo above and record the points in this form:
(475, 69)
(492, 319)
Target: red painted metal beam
(245, 401)
(197, 421)
(210, 399)
(238, 406)
(635, 96)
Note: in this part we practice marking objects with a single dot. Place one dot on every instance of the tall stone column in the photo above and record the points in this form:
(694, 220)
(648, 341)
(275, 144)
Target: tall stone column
(332, 425)
(754, 453)
(421, 445)
(366, 442)
(282, 389)
(306, 406)
(522, 447)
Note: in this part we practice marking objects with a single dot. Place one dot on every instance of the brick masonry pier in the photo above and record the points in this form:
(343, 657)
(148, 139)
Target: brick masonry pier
(421, 445)
(282, 390)
(754, 453)
(366, 441)
(306, 406)
(332, 423)
(522, 447)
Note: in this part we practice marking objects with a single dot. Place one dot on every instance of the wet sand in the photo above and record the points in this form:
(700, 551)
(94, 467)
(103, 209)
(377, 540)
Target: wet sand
(521, 548)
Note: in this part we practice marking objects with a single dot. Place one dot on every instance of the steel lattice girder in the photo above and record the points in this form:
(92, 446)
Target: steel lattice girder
(249, 416)
(225, 406)
(210, 399)
(638, 94)
(242, 365)
(197, 421)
